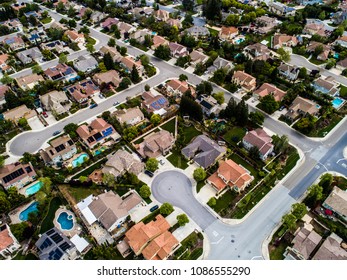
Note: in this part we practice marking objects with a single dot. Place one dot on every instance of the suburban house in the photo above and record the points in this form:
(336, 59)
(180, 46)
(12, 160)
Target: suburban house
(204, 151)
(107, 24)
(140, 12)
(96, 132)
(331, 249)
(57, 46)
(35, 36)
(257, 51)
(8, 243)
(324, 55)
(4, 67)
(156, 104)
(59, 150)
(14, 24)
(159, 41)
(219, 63)
(85, 63)
(130, 117)
(178, 88)
(108, 209)
(58, 25)
(197, 57)
(116, 56)
(283, 41)
(326, 85)
(304, 243)
(260, 139)
(29, 81)
(15, 43)
(125, 29)
(198, 31)
(342, 64)
(178, 50)
(265, 24)
(107, 78)
(128, 63)
(156, 144)
(55, 101)
(280, 9)
(230, 174)
(268, 89)
(209, 105)
(289, 72)
(342, 41)
(81, 91)
(16, 175)
(140, 35)
(153, 240)
(228, 32)
(54, 245)
(15, 114)
(122, 162)
(75, 37)
(97, 16)
(3, 90)
(339, 17)
(246, 81)
(313, 27)
(30, 55)
(174, 22)
(301, 107)
(61, 72)
(337, 203)
(161, 15)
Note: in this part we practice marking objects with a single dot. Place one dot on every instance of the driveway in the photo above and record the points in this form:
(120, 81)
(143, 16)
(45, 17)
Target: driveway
(176, 188)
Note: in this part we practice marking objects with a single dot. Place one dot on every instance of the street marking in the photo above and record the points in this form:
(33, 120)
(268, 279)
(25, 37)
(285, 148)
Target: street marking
(215, 233)
(317, 166)
(340, 160)
(344, 165)
(257, 258)
(217, 242)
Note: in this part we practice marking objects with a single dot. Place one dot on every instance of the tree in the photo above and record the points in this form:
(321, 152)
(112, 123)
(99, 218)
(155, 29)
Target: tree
(230, 110)
(199, 174)
(212, 202)
(182, 219)
(163, 52)
(111, 42)
(72, 23)
(155, 119)
(241, 113)
(219, 76)
(281, 143)
(152, 164)
(322, 15)
(46, 185)
(256, 118)
(134, 75)
(145, 191)
(289, 221)
(190, 107)
(83, 179)
(284, 55)
(188, 5)
(302, 73)
(318, 50)
(6, 79)
(130, 133)
(299, 210)
(232, 20)
(109, 180)
(166, 209)
(22, 122)
(71, 12)
(183, 77)
(188, 20)
(204, 88)
(219, 96)
(315, 192)
(60, 7)
(269, 104)
(90, 48)
(5, 205)
(102, 67)
(212, 9)
(108, 61)
(2, 161)
(21, 231)
(305, 125)
(28, 157)
(147, 87)
(71, 130)
(36, 69)
(254, 152)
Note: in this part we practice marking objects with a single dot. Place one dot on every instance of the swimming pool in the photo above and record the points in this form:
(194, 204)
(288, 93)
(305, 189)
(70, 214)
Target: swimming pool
(239, 40)
(33, 188)
(79, 160)
(32, 208)
(99, 151)
(65, 221)
(337, 102)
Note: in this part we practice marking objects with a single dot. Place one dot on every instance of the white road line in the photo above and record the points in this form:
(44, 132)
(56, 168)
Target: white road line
(217, 242)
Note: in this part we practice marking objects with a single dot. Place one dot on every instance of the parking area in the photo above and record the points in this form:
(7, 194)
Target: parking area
(35, 123)
(50, 119)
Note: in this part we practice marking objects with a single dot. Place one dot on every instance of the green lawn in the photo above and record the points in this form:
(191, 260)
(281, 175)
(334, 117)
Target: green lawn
(177, 160)
(151, 216)
(213, 32)
(290, 163)
(245, 164)
(235, 134)
(189, 133)
(91, 41)
(276, 253)
(324, 131)
(170, 126)
(224, 201)
(343, 91)
(47, 223)
(316, 61)
(200, 185)
(79, 193)
(46, 20)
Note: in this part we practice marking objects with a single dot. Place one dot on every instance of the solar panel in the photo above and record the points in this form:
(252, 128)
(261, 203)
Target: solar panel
(60, 148)
(47, 243)
(56, 238)
(50, 231)
(64, 246)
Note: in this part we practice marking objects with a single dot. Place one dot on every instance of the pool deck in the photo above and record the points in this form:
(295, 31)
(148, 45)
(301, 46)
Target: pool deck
(68, 162)
(76, 229)
(14, 214)
(22, 190)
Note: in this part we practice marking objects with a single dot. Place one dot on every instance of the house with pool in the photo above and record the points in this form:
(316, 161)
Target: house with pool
(17, 175)
(108, 209)
(60, 150)
(97, 132)
(8, 243)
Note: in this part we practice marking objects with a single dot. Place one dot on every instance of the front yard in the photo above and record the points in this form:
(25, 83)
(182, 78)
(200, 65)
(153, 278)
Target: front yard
(177, 159)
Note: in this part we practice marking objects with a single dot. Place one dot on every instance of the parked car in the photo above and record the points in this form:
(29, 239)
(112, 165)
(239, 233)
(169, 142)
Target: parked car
(116, 103)
(45, 114)
(149, 173)
(93, 106)
(56, 132)
(155, 207)
(282, 107)
(161, 162)
(101, 96)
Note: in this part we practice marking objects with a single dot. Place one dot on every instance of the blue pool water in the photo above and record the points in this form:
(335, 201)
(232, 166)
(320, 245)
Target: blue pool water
(240, 40)
(79, 160)
(337, 102)
(65, 221)
(23, 216)
(34, 188)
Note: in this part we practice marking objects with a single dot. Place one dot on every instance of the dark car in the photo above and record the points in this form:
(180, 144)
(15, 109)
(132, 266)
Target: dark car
(93, 106)
(56, 133)
(149, 173)
(155, 207)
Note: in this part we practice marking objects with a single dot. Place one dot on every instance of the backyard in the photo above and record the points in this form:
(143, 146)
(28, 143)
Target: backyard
(79, 193)
(169, 126)
(177, 159)
(47, 222)
(188, 133)
(343, 91)
(234, 135)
